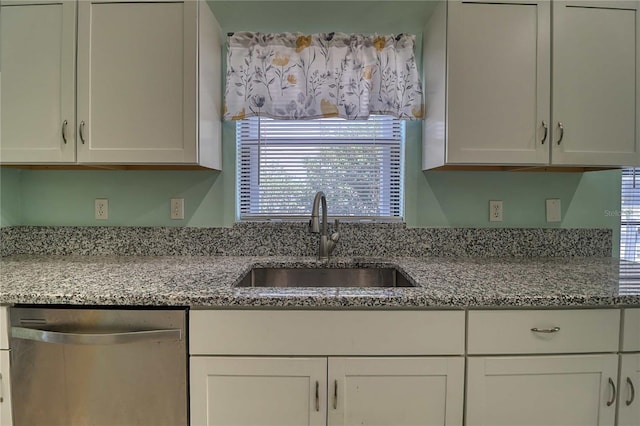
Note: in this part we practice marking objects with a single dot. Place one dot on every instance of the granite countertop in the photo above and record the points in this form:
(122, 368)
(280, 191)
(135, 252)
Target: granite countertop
(207, 281)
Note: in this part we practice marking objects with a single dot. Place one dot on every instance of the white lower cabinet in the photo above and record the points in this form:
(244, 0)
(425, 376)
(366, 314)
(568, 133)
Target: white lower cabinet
(629, 398)
(5, 394)
(235, 391)
(571, 390)
(542, 367)
(279, 368)
(631, 335)
(395, 391)
(401, 368)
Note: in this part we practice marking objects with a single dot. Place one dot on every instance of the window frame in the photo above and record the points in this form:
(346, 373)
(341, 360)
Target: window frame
(246, 160)
(629, 198)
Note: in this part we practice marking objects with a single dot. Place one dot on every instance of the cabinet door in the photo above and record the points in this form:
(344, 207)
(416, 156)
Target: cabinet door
(4, 329)
(37, 52)
(136, 82)
(542, 390)
(395, 391)
(631, 336)
(629, 400)
(596, 70)
(258, 391)
(498, 82)
(5, 394)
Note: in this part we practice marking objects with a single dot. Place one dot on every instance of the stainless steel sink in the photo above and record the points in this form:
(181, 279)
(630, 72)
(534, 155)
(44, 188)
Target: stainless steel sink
(325, 277)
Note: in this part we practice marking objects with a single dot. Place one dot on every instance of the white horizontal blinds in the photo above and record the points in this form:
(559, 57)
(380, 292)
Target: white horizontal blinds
(630, 215)
(357, 164)
(629, 278)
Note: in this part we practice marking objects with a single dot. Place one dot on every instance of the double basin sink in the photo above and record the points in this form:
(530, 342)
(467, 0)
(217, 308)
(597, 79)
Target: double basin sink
(325, 277)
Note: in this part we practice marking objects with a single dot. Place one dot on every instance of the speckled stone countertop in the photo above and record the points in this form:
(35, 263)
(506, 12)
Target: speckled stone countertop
(208, 281)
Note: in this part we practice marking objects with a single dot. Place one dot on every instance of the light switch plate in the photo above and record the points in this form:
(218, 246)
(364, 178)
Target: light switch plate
(554, 210)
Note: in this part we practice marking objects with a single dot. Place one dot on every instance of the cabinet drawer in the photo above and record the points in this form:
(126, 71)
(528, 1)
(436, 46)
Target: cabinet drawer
(326, 332)
(631, 339)
(564, 331)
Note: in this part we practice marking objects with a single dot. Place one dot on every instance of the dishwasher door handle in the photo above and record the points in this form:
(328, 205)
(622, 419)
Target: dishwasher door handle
(47, 336)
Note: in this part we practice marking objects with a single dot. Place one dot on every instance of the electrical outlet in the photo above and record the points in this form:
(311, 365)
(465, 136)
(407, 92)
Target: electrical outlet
(177, 208)
(495, 211)
(554, 210)
(102, 209)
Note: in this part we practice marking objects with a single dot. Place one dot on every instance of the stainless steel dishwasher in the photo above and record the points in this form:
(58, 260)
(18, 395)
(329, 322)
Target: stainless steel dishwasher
(111, 367)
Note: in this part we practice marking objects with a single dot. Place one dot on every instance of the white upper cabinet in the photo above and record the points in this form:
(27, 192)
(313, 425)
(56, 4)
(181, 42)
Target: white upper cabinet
(494, 96)
(498, 82)
(37, 53)
(595, 83)
(148, 85)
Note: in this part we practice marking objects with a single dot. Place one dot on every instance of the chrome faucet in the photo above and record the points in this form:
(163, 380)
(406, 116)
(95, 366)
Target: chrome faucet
(327, 244)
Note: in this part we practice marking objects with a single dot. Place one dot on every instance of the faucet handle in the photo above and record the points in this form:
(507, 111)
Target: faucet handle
(336, 235)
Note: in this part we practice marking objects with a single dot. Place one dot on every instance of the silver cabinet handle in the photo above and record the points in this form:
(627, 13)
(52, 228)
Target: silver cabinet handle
(633, 392)
(545, 330)
(613, 396)
(64, 131)
(1, 395)
(81, 131)
(46, 336)
(317, 396)
(335, 394)
(546, 131)
(561, 127)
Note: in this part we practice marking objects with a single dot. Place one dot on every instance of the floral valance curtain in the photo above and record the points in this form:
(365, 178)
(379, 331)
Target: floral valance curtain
(298, 76)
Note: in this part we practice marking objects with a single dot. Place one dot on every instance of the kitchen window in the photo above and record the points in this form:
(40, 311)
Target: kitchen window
(630, 215)
(358, 164)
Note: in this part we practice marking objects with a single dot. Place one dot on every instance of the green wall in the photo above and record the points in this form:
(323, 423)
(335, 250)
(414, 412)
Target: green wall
(10, 198)
(461, 199)
(432, 199)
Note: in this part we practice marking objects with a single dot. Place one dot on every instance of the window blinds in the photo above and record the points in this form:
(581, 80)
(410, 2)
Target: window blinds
(357, 164)
(630, 215)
